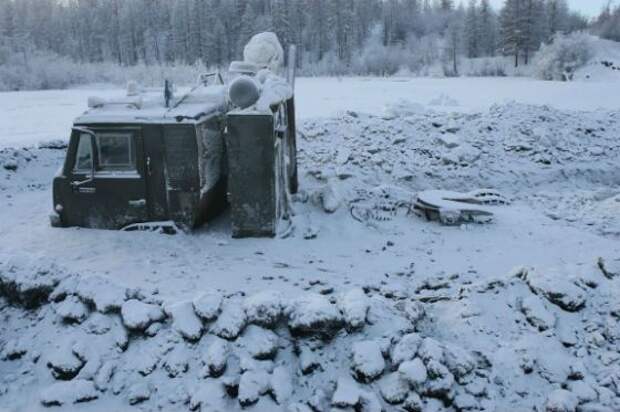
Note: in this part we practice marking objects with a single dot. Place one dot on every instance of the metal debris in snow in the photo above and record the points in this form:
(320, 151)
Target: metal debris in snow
(454, 208)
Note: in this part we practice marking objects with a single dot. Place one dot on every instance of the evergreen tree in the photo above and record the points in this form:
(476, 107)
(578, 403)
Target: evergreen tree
(487, 32)
(472, 30)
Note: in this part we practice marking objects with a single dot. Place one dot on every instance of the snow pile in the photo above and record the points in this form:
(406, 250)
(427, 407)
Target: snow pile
(364, 349)
(373, 166)
(604, 65)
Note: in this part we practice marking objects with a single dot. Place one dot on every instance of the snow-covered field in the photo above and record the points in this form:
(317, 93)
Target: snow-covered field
(367, 308)
(26, 118)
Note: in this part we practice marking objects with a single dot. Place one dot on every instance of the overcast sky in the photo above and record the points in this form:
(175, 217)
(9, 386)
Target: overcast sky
(589, 8)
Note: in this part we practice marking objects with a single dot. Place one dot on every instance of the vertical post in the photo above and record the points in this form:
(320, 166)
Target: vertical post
(292, 65)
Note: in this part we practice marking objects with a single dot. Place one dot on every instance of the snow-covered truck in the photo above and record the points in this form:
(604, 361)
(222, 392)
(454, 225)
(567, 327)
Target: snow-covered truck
(150, 160)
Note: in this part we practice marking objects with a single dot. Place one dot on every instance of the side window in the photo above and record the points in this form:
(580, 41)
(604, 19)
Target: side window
(84, 155)
(115, 151)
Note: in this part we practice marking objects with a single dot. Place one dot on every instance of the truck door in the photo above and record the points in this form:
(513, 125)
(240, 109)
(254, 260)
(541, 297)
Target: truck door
(154, 152)
(74, 192)
(120, 177)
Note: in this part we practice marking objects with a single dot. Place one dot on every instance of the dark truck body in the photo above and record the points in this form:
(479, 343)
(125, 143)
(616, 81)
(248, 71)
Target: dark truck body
(130, 168)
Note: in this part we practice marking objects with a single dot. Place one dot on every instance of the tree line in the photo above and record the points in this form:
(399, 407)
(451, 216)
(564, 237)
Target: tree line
(332, 35)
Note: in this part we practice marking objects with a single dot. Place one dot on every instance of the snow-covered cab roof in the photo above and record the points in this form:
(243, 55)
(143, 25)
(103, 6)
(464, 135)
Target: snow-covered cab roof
(150, 107)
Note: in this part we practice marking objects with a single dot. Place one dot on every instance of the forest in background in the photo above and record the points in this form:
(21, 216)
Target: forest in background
(40, 40)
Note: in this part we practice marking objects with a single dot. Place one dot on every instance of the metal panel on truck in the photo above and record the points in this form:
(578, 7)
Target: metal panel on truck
(252, 181)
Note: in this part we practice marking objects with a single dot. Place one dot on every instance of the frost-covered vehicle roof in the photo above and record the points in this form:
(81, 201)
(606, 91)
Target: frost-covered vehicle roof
(150, 107)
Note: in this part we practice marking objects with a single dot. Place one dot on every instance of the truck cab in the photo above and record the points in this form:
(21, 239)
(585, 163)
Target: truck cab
(138, 162)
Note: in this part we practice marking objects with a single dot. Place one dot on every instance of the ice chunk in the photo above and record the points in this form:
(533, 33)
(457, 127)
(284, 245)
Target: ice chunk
(184, 320)
(177, 361)
(583, 391)
(367, 362)
(369, 402)
(63, 362)
(414, 311)
(414, 372)
(105, 295)
(429, 350)
(406, 348)
(308, 360)
(14, 349)
(209, 396)
(458, 361)
(312, 314)
(104, 375)
(299, 407)
(264, 308)
(466, 402)
(413, 403)
(259, 342)
(440, 380)
(27, 283)
(554, 285)
(215, 357)
(208, 305)
(72, 309)
(231, 322)
(139, 316)
(138, 392)
(394, 388)
(354, 307)
(561, 400)
(252, 385)
(537, 313)
(281, 385)
(149, 357)
(61, 393)
(347, 394)
(330, 196)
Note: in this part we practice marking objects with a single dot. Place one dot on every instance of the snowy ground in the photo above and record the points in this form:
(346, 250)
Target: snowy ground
(546, 336)
(26, 118)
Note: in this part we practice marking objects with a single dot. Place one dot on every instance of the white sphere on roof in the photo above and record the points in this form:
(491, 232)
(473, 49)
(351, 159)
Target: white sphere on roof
(265, 51)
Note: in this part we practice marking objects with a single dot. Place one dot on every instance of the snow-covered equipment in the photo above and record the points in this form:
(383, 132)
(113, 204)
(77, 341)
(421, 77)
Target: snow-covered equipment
(152, 159)
(263, 163)
(242, 68)
(265, 51)
(454, 208)
(243, 92)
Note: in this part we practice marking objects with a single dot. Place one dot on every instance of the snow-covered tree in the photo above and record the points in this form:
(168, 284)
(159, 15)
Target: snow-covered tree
(472, 30)
(487, 24)
(331, 34)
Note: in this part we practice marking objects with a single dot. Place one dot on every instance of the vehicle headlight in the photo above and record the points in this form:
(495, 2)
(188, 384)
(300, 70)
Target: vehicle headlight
(243, 92)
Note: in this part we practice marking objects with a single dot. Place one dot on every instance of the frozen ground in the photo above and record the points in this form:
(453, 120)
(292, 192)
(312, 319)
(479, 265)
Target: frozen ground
(519, 314)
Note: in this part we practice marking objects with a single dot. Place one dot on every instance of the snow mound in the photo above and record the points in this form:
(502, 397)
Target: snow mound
(139, 316)
(62, 393)
(264, 308)
(604, 65)
(354, 307)
(554, 285)
(265, 51)
(312, 314)
(28, 283)
(184, 320)
(208, 305)
(368, 363)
